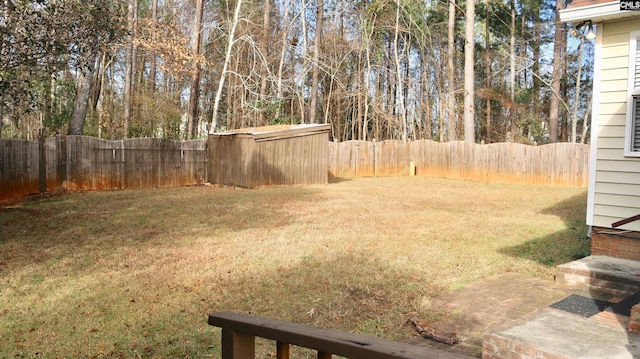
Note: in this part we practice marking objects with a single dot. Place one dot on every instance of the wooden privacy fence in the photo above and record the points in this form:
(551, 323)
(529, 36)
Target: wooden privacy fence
(88, 163)
(565, 164)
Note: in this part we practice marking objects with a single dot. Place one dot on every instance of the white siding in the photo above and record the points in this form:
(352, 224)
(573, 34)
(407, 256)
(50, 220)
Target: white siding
(616, 193)
(614, 131)
(613, 109)
(615, 74)
(617, 188)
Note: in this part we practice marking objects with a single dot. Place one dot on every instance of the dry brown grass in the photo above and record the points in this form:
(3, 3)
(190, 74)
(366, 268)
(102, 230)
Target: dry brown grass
(134, 273)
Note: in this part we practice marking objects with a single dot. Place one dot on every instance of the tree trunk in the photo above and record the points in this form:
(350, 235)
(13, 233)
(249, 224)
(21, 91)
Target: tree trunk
(130, 54)
(283, 51)
(317, 44)
(304, 59)
(487, 75)
(102, 78)
(451, 103)
(366, 78)
(152, 64)
(194, 95)
(398, 88)
(81, 103)
(469, 74)
(225, 65)
(407, 85)
(535, 68)
(264, 48)
(585, 122)
(96, 89)
(554, 103)
(564, 115)
(512, 53)
(576, 102)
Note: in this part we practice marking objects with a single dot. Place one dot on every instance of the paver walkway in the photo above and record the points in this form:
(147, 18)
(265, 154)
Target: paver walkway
(517, 307)
(489, 304)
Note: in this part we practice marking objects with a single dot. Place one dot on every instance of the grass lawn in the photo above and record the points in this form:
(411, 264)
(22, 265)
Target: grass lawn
(135, 273)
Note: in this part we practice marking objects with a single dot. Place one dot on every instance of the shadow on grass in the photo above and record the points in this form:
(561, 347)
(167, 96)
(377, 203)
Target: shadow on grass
(562, 246)
(166, 316)
(98, 223)
(353, 292)
(338, 179)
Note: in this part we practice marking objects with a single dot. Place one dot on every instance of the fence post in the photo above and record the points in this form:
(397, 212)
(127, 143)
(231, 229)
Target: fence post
(237, 345)
(42, 162)
(282, 350)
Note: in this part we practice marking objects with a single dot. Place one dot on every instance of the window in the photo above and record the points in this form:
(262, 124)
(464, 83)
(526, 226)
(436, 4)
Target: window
(632, 143)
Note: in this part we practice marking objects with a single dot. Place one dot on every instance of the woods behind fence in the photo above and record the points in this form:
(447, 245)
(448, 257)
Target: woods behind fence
(87, 163)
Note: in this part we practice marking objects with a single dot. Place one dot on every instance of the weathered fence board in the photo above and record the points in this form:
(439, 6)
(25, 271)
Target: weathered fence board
(19, 170)
(342, 157)
(88, 163)
(563, 164)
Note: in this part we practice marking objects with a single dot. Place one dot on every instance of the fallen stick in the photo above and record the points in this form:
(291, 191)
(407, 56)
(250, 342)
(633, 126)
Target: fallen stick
(429, 333)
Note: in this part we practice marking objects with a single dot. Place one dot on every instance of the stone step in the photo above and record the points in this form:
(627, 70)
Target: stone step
(601, 275)
(560, 335)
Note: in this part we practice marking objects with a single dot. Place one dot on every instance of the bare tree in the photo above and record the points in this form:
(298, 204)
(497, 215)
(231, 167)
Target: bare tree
(225, 66)
(396, 57)
(366, 80)
(512, 52)
(152, 64)
(194, 95)
(264, 48)
(130, 55)
(469, 73)
(487, 75)
(576, 103)
(585, 122)
(317, 44)
(451, 72)
(558, 63)
(283, 51)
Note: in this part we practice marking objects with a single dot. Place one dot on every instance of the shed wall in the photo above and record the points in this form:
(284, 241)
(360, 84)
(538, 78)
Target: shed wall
(240, 160)
(615, 190)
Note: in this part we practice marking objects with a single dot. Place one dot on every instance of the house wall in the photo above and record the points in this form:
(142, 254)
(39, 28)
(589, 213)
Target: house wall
(615, 190)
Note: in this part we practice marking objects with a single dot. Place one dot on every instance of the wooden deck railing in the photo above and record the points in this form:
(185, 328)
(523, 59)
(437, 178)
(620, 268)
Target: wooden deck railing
(239, 332)
(625, 221)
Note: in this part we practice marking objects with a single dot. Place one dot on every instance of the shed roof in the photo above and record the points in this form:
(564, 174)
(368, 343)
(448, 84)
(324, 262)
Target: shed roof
(276, 132)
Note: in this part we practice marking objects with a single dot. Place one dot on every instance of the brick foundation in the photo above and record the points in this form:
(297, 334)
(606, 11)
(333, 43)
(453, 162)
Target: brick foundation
(634, 320)
(615, 243)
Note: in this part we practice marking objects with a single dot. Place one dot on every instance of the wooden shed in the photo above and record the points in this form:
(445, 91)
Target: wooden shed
(270, 155)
